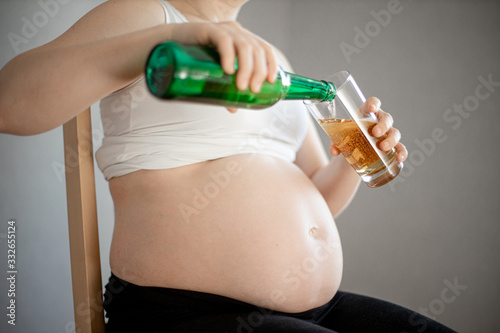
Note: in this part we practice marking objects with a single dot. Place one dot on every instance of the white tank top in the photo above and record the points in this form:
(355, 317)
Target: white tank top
(142, 132)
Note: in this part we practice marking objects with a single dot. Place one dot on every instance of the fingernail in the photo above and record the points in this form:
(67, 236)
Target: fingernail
(373, 107)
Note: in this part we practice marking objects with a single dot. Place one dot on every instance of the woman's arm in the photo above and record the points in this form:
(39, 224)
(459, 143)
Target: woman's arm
(103, 52)
(336, 179)
(44, 87)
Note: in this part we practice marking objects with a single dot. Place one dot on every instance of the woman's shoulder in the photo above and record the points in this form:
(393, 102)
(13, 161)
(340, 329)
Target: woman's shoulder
(112, 18)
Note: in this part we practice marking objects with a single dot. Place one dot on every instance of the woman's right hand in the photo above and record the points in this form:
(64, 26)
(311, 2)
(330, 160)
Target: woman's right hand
(257, 60)
(105, 51)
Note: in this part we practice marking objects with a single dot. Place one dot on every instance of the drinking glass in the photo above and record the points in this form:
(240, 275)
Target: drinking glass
(348, 123)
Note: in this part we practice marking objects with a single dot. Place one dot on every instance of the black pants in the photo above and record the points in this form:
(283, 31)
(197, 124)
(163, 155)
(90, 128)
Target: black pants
(131, 308)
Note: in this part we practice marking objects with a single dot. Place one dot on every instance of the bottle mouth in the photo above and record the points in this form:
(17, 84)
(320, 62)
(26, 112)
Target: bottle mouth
(332, 91)
(329, 96)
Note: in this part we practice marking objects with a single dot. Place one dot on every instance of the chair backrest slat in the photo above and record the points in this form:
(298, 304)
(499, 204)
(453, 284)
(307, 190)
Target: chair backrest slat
(83, 228)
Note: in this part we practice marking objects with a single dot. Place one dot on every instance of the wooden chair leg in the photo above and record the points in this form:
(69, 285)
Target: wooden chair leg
(83, 229)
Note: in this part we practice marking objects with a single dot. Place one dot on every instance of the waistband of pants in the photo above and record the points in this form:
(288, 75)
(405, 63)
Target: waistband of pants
(123, 298)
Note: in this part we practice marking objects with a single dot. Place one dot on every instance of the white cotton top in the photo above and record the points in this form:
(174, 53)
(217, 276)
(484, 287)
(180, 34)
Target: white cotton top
(142, 132)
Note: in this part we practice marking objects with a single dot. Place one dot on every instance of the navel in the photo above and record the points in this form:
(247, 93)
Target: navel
(313, 231)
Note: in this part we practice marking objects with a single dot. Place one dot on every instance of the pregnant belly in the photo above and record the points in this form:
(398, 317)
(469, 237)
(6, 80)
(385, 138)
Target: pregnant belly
(253, 228)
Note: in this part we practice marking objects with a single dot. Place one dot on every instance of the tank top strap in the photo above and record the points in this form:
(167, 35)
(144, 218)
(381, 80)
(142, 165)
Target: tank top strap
(172, 15)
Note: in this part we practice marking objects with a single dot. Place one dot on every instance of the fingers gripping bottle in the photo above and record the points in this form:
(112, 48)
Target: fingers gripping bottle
(193, 73)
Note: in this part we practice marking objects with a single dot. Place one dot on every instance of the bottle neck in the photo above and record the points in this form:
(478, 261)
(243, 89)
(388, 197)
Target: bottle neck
(308, 89)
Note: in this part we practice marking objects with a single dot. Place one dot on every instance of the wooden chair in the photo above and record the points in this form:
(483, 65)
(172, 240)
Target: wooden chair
(83, 230)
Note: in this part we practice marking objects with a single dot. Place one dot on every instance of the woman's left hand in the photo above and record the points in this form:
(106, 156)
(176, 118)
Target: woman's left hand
(384, 126)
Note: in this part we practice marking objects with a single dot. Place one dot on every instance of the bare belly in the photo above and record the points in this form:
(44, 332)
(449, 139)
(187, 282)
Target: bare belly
(249, 227)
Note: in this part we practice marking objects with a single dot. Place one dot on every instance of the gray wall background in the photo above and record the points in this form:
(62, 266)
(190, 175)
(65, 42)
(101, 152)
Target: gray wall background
(407, 242)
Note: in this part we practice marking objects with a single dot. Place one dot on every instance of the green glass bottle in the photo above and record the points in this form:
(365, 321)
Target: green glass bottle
(193, 73)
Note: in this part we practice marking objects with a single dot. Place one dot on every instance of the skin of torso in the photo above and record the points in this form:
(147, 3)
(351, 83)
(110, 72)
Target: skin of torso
(251, 227)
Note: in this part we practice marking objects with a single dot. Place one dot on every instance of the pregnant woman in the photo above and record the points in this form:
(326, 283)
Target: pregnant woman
(224, 219)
